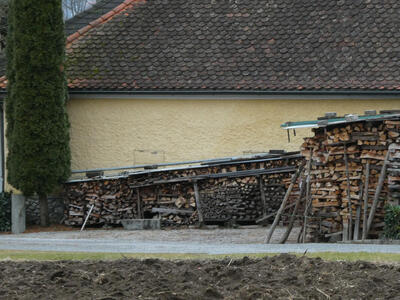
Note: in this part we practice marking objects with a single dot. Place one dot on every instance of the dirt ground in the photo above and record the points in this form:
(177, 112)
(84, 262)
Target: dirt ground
(242, 235)
(279, 277)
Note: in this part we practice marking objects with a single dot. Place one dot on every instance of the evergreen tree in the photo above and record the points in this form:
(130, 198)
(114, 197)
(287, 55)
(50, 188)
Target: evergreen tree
(38, 133)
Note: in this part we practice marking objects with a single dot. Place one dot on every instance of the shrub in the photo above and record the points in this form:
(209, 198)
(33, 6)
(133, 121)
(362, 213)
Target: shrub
(5, 211)
(392, 222)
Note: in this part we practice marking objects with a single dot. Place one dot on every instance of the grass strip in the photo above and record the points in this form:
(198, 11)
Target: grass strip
(17, 255)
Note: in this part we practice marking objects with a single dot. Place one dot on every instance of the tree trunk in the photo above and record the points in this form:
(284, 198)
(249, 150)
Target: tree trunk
(44, 211)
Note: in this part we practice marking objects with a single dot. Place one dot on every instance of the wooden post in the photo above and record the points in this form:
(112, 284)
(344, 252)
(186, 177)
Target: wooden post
(377, 192)
(308, 198)
(364, 231)
(283, 204)
(358, 215)
(87, 217)
(139, 205)
(346, 162)
(198, 203)
(263, 200)
(293, 216)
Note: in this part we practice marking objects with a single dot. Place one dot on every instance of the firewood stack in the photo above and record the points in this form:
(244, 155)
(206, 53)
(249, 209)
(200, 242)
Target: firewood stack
(239, 199)
(112, 199)
(394, 165)
(339, 155)
(227, 192)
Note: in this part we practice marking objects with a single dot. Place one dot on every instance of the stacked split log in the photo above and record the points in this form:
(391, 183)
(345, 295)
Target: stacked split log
(239, 199)
(339, 156)
(394, 165)
(113, 200)
(227, 192)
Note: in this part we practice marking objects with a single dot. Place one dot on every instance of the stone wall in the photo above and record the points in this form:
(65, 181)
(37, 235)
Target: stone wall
(56, 210)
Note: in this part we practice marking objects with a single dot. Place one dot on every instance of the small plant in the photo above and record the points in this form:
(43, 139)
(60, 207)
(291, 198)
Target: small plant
(392, 222)
(5, 211)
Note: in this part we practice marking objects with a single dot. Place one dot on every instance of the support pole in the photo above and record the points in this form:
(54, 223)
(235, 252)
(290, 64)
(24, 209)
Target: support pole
(308, 198)
(87, 217)
(139, 205)
(198, 202)
(293, 216)
(377, 192)
(283, 204)
(364, 231)
(358, 215)
(262, 192)
(346, 162)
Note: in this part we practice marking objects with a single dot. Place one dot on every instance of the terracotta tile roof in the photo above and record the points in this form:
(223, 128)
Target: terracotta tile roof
(122, 7)
(261, 45)
(77, 22)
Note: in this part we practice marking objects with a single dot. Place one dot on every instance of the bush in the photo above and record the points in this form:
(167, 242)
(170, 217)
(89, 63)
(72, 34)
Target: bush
(392, 222)
(5, 211)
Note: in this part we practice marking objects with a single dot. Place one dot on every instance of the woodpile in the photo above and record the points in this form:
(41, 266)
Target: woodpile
(238, 191)
(348, 167)
(112, 200)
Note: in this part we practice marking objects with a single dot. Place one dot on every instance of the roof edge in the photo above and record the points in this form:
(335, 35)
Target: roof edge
(232, 94)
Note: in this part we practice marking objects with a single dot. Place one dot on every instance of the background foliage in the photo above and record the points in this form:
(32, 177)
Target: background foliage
(392, 222)
(37, 133)
(5, 212)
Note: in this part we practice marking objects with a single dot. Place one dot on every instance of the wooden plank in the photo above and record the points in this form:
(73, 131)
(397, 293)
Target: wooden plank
(293, 216)
(308, 197)
(364, 231)
(265, 218)
(162, 210)
(139, 204)
(283, 204)
(198, 202)
(348, 192)
(377, 192)
(87, 217)
(263, 200)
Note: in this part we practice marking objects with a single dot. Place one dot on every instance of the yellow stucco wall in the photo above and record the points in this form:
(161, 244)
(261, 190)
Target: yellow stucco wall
(106, 132)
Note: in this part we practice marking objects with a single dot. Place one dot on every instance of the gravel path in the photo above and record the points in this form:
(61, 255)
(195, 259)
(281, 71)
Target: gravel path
(218, 241)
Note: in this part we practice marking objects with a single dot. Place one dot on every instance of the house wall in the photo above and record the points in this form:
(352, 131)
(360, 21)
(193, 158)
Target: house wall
(109, 132)
(106, 132)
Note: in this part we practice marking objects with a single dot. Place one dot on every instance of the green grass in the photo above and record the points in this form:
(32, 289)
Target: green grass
(54, 256)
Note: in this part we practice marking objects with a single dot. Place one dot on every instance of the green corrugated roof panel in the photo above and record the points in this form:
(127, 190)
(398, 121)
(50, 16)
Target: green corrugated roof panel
(335, 121)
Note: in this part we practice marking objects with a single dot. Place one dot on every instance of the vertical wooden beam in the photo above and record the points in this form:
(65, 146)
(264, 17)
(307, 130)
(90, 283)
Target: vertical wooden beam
(262, 192)
(364, 230)
(308, 198)
(139, 205)
(377, 192)
(358, 215)
(198, 202)
(346, 162)
(283, 204)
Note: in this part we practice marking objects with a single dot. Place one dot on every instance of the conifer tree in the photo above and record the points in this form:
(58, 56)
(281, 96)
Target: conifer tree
(38, 133)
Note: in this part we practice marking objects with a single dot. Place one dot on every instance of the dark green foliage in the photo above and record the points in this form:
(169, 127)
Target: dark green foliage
(3, 23)
(5, 212)
(37, 135)
(392, 222)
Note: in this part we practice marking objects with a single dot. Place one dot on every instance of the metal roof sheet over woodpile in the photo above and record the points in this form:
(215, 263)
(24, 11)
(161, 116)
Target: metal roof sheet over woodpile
(241, 190)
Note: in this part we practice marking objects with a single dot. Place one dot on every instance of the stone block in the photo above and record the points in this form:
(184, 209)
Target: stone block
(141, 224)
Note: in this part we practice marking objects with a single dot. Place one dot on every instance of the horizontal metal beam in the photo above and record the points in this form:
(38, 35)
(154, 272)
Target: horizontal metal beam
(216, 161)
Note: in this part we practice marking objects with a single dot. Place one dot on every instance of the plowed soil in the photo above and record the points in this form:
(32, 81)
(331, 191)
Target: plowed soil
(279, 277)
